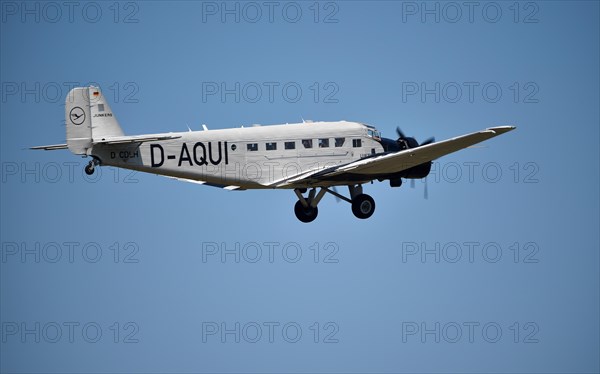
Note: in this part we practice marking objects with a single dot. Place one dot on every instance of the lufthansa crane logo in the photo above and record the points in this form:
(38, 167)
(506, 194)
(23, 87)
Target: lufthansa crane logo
(77, 116)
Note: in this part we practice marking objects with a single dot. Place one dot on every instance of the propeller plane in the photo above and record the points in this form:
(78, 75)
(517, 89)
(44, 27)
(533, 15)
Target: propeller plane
(310, 158)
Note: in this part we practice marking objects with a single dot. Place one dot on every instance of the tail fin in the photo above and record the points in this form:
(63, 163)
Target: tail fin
(89, 119)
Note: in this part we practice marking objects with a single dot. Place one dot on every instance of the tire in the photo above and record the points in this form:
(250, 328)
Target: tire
(305, 215)
(89, 170)
(363, 206)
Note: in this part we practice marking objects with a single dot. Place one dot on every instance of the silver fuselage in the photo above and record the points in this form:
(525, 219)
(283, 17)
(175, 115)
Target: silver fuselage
(248, 157)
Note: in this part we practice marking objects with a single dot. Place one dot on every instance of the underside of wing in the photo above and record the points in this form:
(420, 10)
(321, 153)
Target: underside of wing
(223, 186)
(392, 163)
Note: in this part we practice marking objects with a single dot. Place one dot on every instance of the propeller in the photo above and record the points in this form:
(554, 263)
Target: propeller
(412, 142)
(425, 189)
(428, 141)
(337, 199)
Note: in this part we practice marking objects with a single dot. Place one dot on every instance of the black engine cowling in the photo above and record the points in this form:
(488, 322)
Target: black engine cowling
(404, 142)
(417, 172)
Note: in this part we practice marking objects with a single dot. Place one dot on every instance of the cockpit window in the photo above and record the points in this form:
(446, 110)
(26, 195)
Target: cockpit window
(373, 134)
(339, 142)
(307, 143)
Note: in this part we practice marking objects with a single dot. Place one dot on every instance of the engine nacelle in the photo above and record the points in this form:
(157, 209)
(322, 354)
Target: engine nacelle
(417, 172)
(403, 143)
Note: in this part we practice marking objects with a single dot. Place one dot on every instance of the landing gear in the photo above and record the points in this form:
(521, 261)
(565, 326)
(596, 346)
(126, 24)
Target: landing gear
(305, 214)
(89, 169)
(363, 205)
(306, 208)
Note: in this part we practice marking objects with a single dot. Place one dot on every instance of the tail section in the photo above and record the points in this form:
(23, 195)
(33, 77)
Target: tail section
(78, 120)
(89, 119)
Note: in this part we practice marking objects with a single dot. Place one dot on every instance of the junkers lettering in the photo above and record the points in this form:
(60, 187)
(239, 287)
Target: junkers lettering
(199, 154)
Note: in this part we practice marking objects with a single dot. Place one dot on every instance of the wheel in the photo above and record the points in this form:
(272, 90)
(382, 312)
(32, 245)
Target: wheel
(363, 206)
(89, 169)
(305, 214)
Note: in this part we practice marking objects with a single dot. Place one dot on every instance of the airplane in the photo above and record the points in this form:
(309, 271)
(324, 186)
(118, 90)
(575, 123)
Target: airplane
(310, 158)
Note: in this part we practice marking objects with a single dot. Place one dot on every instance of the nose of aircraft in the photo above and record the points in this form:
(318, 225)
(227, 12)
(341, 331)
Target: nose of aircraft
(390, 145)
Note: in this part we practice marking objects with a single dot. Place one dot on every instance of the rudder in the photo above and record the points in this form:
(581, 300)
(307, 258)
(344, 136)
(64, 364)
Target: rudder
(89, 119)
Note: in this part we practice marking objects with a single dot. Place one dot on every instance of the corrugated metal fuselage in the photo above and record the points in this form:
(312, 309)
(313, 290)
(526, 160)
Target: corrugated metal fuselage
(248, 157)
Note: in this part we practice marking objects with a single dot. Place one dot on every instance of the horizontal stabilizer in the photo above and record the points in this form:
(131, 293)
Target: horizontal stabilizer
(135, 139)
(50, 147)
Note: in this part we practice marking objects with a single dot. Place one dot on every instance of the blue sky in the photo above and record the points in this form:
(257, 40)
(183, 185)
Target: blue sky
(498, 270)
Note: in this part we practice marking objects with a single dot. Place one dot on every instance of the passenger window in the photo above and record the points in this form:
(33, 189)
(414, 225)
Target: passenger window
(339, 142)
(307, 143)
(356, 143)
(323, 143)
(271, 146)
(290, 145)
(252, 147)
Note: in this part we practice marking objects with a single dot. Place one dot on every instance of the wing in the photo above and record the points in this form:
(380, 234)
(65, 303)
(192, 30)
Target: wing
(223, 186)
(395, 162)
